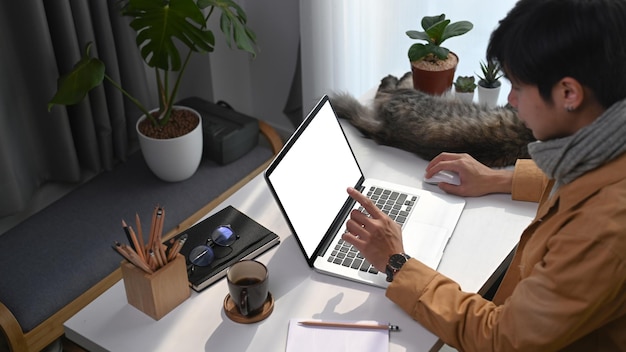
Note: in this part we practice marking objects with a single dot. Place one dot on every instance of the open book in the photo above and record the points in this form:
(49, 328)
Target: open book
(253, 239)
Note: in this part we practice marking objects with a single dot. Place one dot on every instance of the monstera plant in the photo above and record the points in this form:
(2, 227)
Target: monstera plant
(158, 23)
(161, 25)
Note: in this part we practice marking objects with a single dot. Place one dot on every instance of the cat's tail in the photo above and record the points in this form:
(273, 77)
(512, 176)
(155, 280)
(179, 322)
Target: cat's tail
(362, 117)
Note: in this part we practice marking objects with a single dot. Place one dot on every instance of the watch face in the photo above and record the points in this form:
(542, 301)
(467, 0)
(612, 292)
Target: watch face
(396, 261)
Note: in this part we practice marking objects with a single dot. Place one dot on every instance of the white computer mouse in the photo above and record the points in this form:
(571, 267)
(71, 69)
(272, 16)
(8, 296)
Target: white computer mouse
(444, 176)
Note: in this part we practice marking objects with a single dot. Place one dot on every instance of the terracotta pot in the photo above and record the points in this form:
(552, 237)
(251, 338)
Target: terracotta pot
(174, 159)
(435, 82)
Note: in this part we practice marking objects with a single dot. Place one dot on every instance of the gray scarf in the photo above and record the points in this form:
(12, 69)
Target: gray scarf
(565, 159)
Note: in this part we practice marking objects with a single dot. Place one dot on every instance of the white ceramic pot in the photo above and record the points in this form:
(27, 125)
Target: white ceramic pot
(488, 96)
(466, 97)
(174, 159)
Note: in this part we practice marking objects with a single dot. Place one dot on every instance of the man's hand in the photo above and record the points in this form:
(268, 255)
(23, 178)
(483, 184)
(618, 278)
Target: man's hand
(476, 178)
(377, 237)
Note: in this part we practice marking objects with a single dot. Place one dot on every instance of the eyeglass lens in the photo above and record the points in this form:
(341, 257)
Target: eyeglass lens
(204, 255)
(223, 236)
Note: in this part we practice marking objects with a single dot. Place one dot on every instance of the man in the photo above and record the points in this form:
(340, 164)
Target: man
(566, 286)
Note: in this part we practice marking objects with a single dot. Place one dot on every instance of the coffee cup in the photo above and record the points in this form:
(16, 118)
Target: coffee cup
(248, 286)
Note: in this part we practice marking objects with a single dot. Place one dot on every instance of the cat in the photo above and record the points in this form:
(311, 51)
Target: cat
(427, 125)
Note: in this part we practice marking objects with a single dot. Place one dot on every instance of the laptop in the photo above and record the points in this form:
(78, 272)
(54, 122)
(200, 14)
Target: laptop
(308, 179)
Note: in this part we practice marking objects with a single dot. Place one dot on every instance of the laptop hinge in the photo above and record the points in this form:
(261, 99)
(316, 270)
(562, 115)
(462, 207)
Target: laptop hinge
(338, 223)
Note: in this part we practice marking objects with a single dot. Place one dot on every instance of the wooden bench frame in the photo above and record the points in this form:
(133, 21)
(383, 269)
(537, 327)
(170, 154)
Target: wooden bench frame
(52, 328)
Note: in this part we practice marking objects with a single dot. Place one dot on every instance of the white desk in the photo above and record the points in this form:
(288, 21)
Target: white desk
(487, 231)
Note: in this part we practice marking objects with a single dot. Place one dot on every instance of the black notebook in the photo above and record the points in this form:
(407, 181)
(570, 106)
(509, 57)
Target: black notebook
(252, 240)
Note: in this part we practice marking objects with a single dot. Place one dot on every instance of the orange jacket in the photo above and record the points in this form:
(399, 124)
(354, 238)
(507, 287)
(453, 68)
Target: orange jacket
(565, 288)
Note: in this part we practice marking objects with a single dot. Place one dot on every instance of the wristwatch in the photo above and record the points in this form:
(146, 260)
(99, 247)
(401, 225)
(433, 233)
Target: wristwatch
(395, 263)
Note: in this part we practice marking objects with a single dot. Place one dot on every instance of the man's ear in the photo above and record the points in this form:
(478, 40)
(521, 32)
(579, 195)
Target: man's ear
(569, 93)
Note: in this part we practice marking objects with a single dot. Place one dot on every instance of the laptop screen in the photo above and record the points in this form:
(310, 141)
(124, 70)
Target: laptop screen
(310, 175)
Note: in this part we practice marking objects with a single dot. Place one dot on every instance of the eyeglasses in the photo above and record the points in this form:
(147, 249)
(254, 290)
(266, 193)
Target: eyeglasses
(203, 255)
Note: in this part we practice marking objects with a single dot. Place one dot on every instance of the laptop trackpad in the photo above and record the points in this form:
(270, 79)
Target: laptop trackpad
(425, 242)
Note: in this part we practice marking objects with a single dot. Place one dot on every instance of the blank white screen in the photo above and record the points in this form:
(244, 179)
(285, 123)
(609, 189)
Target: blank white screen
(311, 179)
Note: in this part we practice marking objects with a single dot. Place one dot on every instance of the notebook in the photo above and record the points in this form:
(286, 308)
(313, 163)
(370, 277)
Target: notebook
(308, 179)
(253, 239)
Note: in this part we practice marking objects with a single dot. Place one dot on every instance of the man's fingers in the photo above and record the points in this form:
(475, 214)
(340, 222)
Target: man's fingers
(358, 216)
(356, 226)
(353, 239)
(369, 206)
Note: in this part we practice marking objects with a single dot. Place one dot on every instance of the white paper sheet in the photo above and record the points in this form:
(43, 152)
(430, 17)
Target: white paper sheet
(323, 339)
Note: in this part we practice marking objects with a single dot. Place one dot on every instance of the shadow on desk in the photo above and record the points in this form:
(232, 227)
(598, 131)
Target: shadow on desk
(295, 285)
(282, 280)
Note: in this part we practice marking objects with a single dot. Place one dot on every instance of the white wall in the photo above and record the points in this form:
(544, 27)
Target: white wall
(350, 45)
(347, 45)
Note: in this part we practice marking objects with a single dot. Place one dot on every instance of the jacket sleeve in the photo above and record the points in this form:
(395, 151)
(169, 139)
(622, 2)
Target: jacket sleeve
(528, 181)
(561, 300)
(437, 302)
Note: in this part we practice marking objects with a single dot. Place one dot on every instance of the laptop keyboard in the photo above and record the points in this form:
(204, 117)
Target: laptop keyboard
(395, 204)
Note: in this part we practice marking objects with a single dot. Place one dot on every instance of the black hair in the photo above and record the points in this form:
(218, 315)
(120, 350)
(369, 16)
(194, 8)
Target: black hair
(540, 42)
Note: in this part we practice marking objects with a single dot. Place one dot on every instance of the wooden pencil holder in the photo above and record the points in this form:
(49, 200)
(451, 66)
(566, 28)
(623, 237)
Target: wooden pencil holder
(158, 293)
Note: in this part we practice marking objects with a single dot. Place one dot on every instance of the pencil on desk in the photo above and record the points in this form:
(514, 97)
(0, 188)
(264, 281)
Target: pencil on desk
(159, 229)
(152, 228)
(142, 244)
(138, 244)
(135, 259)
(152, 260)
(156, 228)
(175, 249)
(133, 241)
(131, 257)
(157, 256)
(162, 253)
(172, 244)
(127, 232)
(350, 325)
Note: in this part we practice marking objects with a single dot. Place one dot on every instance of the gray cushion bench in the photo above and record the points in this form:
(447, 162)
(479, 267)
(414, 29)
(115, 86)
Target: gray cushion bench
(58, 260)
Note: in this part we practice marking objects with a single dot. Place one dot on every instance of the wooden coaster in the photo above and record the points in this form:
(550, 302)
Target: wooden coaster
(233, 313)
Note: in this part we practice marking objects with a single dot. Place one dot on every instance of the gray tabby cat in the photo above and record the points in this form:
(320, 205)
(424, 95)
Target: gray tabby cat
(427, 125)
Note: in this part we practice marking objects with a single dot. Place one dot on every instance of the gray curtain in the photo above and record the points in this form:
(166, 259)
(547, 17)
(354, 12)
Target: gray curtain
(38, 41)
(293, 106)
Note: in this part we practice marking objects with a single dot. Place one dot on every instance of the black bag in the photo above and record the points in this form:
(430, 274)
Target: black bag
(228, 135)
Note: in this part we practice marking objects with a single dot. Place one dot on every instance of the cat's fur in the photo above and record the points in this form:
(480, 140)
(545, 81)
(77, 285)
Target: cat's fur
(427, 125)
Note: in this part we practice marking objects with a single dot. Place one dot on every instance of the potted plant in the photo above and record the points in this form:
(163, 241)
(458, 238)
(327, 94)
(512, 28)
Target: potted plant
(433, 66)
(464, 88)
(158, 23)
(489, 83)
